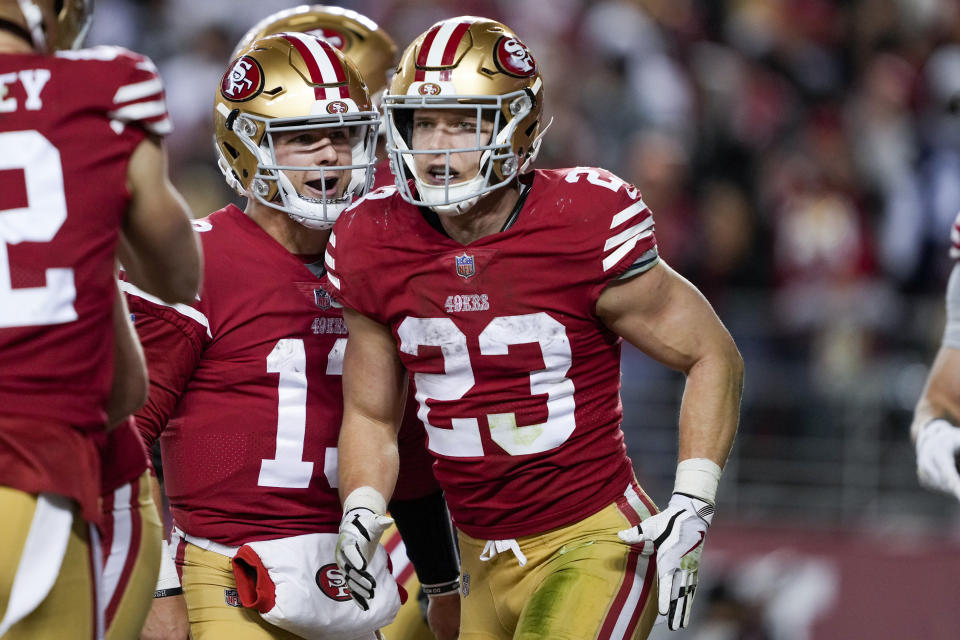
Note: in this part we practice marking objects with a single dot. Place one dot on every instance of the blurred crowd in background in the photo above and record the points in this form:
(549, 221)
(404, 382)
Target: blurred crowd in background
(801, 158)
(802, 161)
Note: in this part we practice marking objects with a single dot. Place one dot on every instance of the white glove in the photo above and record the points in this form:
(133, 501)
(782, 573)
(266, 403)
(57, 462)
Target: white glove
(360, 532)
(937, 447)
(676, 535)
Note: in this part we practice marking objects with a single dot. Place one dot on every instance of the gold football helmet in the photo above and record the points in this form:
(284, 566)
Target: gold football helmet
(359, 37)
(293, 82)
(475, 64)
(49, 24)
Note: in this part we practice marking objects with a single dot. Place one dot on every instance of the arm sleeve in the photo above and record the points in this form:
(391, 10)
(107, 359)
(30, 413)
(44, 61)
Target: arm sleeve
(172, 343)
(427, 533)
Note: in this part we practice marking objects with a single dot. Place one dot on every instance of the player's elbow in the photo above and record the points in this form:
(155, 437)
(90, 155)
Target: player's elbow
(179, 272)
(722, 359)
(129, 395)
(185, 287)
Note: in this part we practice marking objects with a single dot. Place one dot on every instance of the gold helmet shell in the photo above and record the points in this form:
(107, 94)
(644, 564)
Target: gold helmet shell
(467, 62)
(359, 37)
(292, 82)
(50, 25)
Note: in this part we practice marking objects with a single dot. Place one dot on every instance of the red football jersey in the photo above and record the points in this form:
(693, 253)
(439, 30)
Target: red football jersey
(68, 125)
(249, 378)
(123, 458)
(517, 380)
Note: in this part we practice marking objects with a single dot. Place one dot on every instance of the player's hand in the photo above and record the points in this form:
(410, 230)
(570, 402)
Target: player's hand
(443, 615)
(167, 620)
(676, 535)
(360, 532)
(937, 447)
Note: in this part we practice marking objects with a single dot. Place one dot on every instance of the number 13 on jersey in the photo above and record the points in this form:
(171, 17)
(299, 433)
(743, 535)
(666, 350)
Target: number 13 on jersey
(464, 440)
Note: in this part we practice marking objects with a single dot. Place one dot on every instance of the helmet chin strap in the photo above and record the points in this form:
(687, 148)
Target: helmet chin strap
(437, 198)
(313, 215)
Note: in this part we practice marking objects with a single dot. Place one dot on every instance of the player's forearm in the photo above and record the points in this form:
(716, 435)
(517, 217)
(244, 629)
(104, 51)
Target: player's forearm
(368, 455)
(710, 409)
(128, 390)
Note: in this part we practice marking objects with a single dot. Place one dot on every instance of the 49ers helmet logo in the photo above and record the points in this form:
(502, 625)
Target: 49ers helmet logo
(513, 58)
(337, 106)
(243, 81)
(333, 583)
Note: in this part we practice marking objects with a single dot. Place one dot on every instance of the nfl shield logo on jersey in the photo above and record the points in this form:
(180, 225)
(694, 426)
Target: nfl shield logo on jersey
(465, 265)
(322, 298)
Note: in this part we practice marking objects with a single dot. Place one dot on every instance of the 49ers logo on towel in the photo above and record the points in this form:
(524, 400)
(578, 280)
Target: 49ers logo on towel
(243, 81)
(513, 58)
(333, 583)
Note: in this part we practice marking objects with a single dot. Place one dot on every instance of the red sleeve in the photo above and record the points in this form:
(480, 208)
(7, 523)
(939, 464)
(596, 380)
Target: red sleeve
(618, 239)
(346, 280)
(139, 100)
(172, 344)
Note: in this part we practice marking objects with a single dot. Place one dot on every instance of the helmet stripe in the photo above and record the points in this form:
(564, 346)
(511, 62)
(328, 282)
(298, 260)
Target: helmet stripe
(451, 49)
(440, 47)
(425, 47)
(323, 65)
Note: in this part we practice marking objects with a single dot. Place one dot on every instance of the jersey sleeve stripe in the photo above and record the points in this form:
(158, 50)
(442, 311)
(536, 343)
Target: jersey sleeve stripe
(101, 52)
(628, 213)
(623, 236)
(329, 261)
(140, 111)
(334, 280)
(333, 239)
(138, 91)
(182, 309)
(610, 261)
(160, 128)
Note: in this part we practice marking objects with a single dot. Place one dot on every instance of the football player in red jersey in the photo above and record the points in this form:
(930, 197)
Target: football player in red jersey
(245, 396)
(82, 180)
(372, 49)
(361, 39)
(505, 294)
(935, 431)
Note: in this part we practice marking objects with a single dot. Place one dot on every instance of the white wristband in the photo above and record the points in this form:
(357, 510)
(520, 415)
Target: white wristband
(367, 498)
(698, 477)
(168, 578)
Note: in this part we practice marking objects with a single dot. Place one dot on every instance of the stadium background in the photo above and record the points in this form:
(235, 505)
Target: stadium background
(802, 160)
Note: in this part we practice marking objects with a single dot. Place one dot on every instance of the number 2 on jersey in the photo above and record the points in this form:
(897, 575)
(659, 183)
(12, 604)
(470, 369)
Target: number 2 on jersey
(38, 221)
(288, 469)
(458, 379)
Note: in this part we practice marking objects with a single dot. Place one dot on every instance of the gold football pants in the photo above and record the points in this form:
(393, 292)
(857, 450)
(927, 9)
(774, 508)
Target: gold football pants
(28, 567)
(580, 581)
